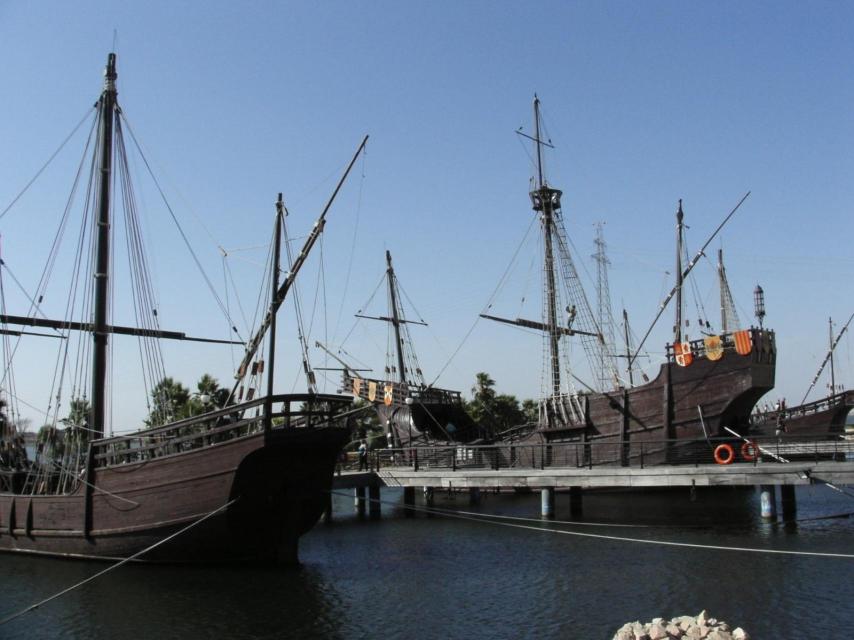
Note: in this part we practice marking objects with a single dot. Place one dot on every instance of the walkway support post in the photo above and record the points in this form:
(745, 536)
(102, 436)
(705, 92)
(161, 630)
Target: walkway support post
(374, 501)
(409, 501)
(359, 501)
(787, 499)
(768, 502)
(575, 505)
(547, 502)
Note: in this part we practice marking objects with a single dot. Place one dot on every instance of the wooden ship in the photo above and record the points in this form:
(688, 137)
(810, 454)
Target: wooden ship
(819, 419)
(704, 385)
(241, 482)
(412, 412)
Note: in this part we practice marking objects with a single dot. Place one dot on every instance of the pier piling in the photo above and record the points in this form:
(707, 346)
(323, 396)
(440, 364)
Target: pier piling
(359, 501)
(787, 499)
(374, 503)
(409, 501)
(575, 504)
(768, 502)
(547, 502)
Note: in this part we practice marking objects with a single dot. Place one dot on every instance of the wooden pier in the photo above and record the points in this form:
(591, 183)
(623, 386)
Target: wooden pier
(562, 467)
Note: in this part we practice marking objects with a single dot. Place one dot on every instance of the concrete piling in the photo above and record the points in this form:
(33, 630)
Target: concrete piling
(547, 502)
(768, 501)
(374, 504)
(359, 501)
(787, 499)
(409, 501)
(575, 505)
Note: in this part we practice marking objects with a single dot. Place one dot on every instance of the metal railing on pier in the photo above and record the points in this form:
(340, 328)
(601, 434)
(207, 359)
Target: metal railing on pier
(636, 454)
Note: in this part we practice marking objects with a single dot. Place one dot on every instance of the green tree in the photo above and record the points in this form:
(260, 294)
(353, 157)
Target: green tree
(488, 408)
(168, 402)
(531, 410)
(208, 396)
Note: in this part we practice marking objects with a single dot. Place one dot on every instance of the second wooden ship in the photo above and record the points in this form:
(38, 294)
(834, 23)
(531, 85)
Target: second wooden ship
(705, 386)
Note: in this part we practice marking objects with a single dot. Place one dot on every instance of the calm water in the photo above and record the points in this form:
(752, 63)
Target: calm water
(435, 577)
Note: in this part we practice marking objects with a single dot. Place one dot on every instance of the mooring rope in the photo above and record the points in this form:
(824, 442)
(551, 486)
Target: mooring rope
(482, 519)
(118, 564)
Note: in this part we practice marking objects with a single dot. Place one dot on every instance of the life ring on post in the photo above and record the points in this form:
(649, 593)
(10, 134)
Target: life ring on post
(724, 454)
(749, 451)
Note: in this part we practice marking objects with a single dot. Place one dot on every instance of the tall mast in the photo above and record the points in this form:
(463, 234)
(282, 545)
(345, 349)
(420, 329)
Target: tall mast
(677, 331)
(545, 201)
(274, 288)
(317, 229)
(721, 281)
(395, 317)
(107, 105)
(628, 348)
(830, 346)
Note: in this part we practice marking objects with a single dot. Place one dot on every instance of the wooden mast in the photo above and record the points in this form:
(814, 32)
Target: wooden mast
(677, 332)
(395, 318)
(546, 200)
(721, 284)
(100, 330)
(274, 288)
(282, 292)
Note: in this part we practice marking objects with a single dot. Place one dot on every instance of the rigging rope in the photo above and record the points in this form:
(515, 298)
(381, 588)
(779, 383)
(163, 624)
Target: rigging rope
(599, 536)
(32, 607)
(488, 303)
(180, 229)
(55, 153)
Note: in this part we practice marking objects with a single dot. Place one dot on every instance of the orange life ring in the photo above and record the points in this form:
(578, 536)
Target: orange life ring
(724, 454)
(749, 451)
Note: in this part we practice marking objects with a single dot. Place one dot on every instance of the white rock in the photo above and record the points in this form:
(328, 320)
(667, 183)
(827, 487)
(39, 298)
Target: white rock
(624, 634)
(717, 634)
(657, 632)
(740, 634)
(673, 630)
(702, 618)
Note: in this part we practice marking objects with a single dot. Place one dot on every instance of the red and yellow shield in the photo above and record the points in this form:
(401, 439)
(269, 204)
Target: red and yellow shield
(372, 391)
(388, 394)
(684, 357)
(714, 347)
(357, 387)
(743, 344)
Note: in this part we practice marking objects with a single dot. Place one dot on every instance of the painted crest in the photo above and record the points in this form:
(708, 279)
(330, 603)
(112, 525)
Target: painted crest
(684, 357)
(372, 391)
(743, 344)
(388, 394)
(714, 347)
(357, 387)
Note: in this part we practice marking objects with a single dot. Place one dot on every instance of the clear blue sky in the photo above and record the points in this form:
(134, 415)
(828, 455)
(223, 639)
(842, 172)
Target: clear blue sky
(646, 103)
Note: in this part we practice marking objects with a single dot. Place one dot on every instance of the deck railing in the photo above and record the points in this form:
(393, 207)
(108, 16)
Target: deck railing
(605, 454)
(288, 412)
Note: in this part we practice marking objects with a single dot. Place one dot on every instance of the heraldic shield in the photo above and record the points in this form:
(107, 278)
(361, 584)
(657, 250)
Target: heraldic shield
(684, 357)
(372, 391)
(714, 347)
(388, 394)
(743, 345)
(357, 387)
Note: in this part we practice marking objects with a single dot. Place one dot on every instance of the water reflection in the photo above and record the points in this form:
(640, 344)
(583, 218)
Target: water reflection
(442, 577)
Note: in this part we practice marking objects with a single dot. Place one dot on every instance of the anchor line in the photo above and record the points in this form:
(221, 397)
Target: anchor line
(32, 607)
(599, 536)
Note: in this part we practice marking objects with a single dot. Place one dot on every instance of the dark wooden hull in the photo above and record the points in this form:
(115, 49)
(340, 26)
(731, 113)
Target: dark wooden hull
(280, 484)
(823, 418)
(683, 403)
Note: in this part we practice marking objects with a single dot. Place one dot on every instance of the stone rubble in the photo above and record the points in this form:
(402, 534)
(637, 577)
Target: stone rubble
(701, 627)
